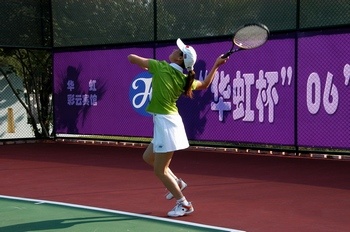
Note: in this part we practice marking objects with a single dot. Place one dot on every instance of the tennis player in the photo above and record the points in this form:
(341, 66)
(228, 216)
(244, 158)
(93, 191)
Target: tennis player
(168, 83)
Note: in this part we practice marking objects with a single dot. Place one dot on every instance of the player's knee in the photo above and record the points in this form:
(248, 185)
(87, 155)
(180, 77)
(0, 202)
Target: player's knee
(160, 173)
(148, 159)
(148, 155)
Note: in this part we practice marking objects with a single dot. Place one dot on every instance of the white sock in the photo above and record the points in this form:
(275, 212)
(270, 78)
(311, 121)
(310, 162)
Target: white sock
(183, 201)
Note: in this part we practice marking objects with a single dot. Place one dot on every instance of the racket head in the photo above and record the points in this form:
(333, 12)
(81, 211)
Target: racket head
(251, 36)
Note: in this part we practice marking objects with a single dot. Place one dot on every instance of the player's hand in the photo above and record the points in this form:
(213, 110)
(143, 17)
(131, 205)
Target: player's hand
(220, 61)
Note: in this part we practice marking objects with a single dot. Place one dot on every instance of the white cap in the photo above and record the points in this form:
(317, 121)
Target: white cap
(190, 55)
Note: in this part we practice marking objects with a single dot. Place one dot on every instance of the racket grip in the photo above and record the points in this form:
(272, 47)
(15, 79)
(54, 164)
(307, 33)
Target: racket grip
(227, 54)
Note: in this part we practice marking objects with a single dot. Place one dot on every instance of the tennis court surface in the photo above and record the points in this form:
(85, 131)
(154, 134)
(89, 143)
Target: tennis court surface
(77, 187)
(35, 215)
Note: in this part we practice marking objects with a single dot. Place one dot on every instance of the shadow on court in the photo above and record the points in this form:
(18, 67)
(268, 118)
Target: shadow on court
(60, 223)
(30, 215)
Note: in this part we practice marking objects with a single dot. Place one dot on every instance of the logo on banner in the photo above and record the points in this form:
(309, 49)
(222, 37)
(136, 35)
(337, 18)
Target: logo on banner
(140, 92)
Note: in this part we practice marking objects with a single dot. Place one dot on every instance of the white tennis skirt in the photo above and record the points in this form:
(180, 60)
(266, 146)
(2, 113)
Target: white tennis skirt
(169, 133)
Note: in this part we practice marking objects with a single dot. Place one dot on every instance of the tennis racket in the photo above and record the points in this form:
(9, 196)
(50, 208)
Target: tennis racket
(248, 36)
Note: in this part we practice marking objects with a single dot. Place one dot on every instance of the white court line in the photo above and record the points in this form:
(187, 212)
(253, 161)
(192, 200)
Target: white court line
(37, 201)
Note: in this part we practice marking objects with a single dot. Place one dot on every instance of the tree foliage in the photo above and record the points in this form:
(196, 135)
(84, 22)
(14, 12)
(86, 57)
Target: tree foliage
(25, 23)
(82, 22)
(34, 66)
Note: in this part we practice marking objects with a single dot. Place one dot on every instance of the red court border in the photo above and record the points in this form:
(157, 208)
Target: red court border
(252, 192)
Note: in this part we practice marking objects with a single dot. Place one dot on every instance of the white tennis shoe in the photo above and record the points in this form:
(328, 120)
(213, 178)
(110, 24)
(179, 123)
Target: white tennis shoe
(181, 210)
(182, 186)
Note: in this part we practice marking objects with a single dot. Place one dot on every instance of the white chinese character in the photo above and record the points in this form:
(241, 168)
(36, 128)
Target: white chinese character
(222, 91)
(238, 96)
(86, 100)
(93, 100)
(272, 95)
(70, 85)
(92, 85)
(70, 99)
(78, 100)
(268, 95)
(260, 85)
(242, 96)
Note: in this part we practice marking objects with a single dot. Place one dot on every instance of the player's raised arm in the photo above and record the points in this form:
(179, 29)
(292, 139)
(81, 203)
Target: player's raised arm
(138, 60)
(209, 78)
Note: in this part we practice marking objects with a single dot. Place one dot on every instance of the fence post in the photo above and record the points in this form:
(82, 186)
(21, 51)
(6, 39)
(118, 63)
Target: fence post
(10, 121)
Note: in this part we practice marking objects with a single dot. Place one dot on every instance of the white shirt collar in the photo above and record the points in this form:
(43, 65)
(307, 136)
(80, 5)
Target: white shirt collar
(176, 66)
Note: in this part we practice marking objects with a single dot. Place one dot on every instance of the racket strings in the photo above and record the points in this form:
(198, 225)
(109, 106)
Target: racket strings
(250, 37)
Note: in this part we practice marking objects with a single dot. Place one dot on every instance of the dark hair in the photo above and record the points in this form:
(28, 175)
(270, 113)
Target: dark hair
(188, 86)
(189, 81)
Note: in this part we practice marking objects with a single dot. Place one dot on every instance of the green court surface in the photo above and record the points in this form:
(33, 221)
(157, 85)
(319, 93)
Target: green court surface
(22, 215)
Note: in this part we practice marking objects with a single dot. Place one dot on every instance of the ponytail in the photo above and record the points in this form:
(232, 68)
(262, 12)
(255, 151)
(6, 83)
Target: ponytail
(189, 80)
(188, 86)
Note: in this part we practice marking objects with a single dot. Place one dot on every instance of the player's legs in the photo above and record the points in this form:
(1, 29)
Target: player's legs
(160, 163)
(161, 170)
(148, 157)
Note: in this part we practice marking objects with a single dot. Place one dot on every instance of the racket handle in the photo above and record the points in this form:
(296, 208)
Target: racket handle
(227, 54)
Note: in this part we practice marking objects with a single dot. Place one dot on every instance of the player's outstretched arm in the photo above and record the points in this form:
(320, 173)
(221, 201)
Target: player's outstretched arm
(209, 78)
(138, 60)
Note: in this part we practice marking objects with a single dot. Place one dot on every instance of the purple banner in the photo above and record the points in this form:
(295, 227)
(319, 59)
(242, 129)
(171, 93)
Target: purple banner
(92, 93)
(324, 90)
(251, 100)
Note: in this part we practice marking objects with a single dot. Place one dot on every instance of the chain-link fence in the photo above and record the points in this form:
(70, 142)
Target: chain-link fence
(112, 22)
(25, 69)
(94, 37)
